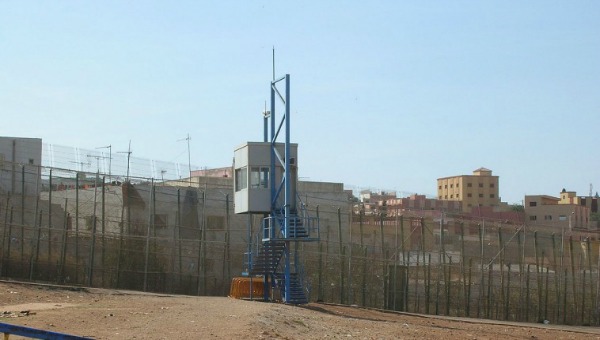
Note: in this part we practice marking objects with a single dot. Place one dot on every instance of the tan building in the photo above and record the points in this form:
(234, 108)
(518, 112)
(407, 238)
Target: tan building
(563, 213)
(478, 190)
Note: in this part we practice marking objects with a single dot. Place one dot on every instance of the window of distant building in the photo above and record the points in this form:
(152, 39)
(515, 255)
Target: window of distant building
(457, 195)
(451, 196)
(440, 197)
(491, 185)
(440, 187)
(480, 195)
(446, 197)
(469, 195)
(446, 186)
(562, 217)
(532, 204)
(491, 195)
(548, 217)
(481, 185)
(532, 218)
(451, 185)
(469, 185)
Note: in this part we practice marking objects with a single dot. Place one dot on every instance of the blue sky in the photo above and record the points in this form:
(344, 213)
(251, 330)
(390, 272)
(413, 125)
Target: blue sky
(384, 94)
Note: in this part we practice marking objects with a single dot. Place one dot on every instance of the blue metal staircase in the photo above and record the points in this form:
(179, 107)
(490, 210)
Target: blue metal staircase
(265, 260)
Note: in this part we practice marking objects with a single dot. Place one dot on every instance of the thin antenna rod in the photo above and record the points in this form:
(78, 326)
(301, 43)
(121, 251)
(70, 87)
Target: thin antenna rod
(109, 147)
(128, 152)
(273, 63)
(189, 159)
(187, 138)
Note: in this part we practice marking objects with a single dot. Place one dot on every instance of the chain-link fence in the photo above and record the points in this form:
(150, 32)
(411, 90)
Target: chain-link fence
(80, 228)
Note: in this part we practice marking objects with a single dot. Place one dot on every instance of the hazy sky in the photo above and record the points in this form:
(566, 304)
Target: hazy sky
(384, 94)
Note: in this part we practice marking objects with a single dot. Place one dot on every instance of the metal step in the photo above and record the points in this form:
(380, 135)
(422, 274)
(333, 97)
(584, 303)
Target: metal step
(267, 260)
(297, 294)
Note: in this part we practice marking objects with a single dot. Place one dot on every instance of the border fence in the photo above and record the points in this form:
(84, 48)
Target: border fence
(178, 236)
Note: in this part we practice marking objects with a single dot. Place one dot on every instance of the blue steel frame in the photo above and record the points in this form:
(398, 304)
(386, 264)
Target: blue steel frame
(286, 178)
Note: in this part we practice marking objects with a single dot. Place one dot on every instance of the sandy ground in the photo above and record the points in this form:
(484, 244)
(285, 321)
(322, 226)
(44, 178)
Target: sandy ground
(112, 314)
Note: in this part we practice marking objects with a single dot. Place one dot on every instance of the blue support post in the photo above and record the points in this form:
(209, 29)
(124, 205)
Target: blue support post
(288, 190)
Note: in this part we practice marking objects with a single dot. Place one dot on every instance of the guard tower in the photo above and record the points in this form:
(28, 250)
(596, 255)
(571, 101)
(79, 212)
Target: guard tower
(266, 174)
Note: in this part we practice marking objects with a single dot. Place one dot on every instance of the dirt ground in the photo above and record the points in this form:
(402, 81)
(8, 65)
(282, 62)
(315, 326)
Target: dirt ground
(112, 314)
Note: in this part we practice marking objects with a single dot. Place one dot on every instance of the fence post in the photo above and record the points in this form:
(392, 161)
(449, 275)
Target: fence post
(582, 298)
(573, 283)
(227, 239)
(462, 267)
(103, 228)
(93, 235)
(565, 299)
(37, 248)
(489, 292)
(448, 283)
(527, 300)
(177, 236)
(384, 263)
(428, 290)
(77, 228)
(150, 223)
(49, 224)
(592, 295)
(480, 304)
(10, 224)
(341, 254)
(501, 252)
(537, 276)
(22, 200)
(547, 293)
(5, 245)
(556, 280)
(507, 300)
(521, 276)
(364, 277)
(468, 311)
(63, 252)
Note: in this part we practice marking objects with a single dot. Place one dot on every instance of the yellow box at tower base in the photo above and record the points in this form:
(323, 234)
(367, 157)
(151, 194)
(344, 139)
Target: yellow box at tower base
(242, 286)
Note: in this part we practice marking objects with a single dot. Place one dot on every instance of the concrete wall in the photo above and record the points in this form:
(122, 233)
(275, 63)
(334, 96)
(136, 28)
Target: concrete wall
(18, 156)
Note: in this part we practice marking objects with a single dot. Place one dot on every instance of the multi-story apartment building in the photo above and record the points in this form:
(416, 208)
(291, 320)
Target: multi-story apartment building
(478, 190)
